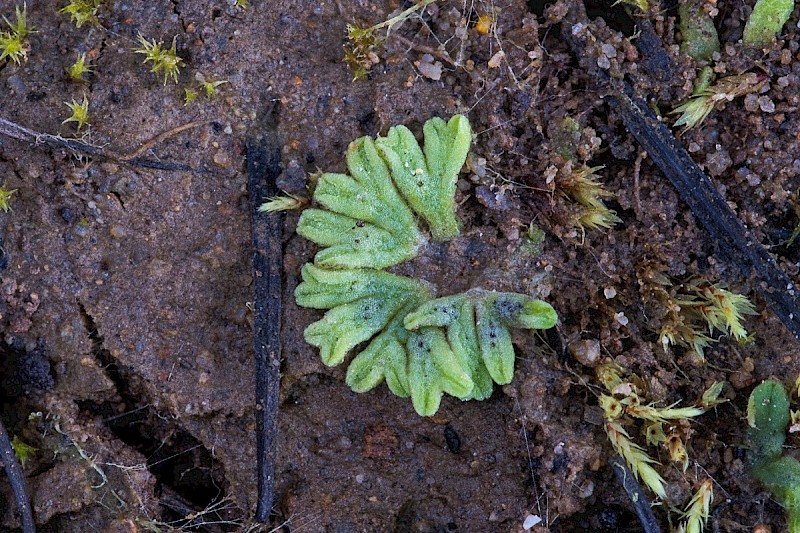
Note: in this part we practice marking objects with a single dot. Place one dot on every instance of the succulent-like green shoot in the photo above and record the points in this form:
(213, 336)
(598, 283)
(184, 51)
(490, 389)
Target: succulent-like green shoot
(766, 20)
(494, 315)
(361, 302)
(782, 477)
(768, 417)
(457, 314)
(428, 182)
(367, 223)
(478, 323)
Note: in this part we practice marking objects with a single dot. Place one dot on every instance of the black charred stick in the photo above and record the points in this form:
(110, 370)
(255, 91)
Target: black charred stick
(263, 167)
(17, 480)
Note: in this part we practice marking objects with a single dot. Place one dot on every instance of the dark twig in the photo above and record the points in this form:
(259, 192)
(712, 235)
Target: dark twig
(164, 135)
(15, 131)
(17, 480)
(263, 167)
(635, 493)
(736, 244)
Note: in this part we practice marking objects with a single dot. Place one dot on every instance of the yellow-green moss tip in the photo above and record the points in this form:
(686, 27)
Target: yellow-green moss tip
(13, 43)
(163, 60)
(80, 112)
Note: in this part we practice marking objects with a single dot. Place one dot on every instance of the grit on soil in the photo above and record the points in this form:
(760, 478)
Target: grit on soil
(127, 353)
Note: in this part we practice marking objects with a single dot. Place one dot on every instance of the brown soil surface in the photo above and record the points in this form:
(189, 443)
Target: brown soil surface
(127, 340)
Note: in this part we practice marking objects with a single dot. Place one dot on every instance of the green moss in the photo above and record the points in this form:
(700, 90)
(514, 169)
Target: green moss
(14, 43)
(164, 60)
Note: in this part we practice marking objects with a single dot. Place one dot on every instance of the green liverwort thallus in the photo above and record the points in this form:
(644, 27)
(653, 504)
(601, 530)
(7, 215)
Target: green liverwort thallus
(367, 220)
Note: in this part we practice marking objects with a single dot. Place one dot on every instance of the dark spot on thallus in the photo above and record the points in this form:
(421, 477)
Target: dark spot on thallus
(358, 241)
(508, 308)
(493, 344)
(420, 344)
(420, 184)
(360, 223)
(452, 439)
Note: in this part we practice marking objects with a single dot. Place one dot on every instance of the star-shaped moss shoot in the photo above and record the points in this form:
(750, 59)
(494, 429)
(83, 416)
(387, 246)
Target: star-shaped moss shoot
(422, 348)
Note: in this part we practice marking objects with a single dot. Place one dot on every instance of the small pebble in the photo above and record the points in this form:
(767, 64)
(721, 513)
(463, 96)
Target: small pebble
(751, 103)
(586, 352)
(67, 214)
(222, 159)
(609, 50)
(16, 84)
(496, 60)
(432, 71)
(118, 232)
(766, 104)
(530, 521)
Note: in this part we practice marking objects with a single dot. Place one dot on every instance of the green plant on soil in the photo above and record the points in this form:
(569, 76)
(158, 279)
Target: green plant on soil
(706, 97)
(5, 198)
(700, 39)
(82, 11)
(164, 60)
(80, 112)
(78, 69)
(367, 221)
(766, 20)
(768, 417)
(13, 44)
